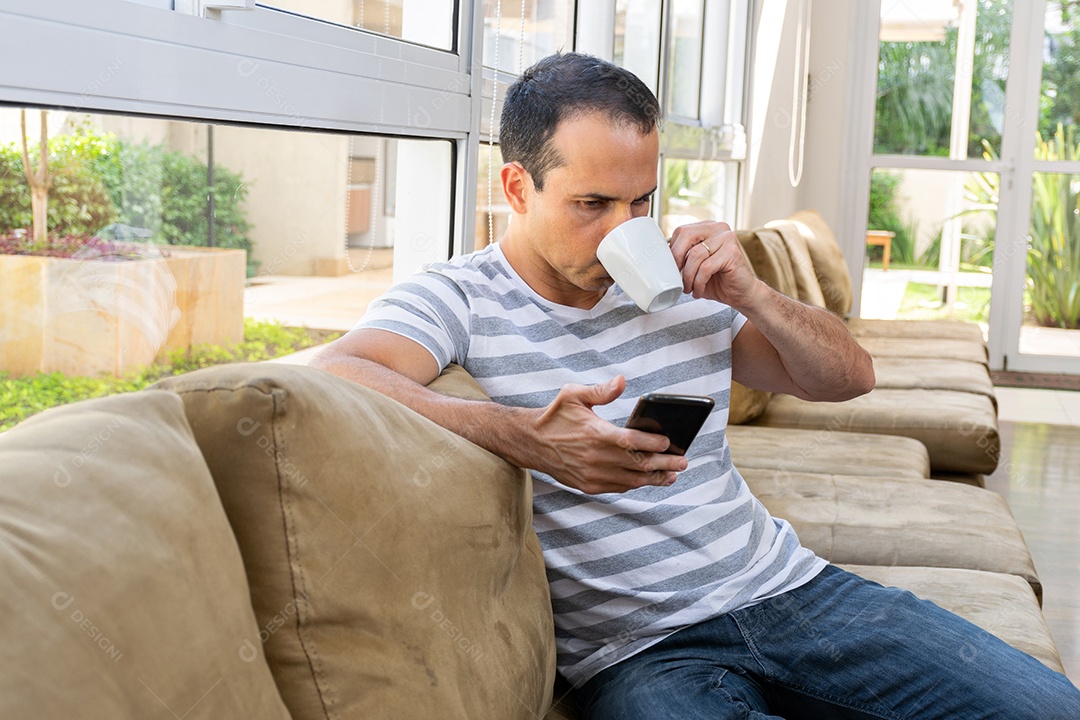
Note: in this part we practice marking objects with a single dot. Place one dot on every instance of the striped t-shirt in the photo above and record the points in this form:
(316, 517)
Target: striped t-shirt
(625, 569)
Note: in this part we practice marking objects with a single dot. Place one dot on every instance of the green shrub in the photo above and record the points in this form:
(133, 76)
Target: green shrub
(25, 396)
(1053, 257)
(100, 180)
(1053, 261)
(885, 215)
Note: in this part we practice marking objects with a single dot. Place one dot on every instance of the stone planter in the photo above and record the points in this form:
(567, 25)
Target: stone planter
(92, 317)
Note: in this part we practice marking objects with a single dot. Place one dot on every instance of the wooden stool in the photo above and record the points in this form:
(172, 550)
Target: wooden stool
(884, 239)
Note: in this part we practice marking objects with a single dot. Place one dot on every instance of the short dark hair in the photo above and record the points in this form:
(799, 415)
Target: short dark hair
(563, 86)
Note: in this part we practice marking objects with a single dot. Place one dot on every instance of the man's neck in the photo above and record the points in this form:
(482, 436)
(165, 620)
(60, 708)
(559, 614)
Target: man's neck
(542, 278)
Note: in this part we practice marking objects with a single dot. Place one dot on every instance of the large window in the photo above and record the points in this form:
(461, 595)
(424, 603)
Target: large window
(139, 238)
(684, 56)
(637, 38)
(525, 31)
(201, 170)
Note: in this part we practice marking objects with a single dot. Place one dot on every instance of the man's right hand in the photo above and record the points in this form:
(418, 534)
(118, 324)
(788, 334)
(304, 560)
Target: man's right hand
(583, 451)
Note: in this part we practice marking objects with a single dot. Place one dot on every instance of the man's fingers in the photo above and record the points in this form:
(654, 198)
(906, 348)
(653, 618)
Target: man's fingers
(600, 394)
(628, 481)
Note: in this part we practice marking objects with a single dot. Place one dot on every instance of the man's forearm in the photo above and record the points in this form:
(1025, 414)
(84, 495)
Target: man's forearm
(497, 428)
(815, 347)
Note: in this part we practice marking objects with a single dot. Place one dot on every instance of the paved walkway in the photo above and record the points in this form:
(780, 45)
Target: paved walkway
(326, 303)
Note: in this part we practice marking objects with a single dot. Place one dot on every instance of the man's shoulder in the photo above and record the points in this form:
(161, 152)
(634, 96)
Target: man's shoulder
(483, 261)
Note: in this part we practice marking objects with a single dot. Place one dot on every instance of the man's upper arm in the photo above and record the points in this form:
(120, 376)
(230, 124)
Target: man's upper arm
(389, 349)
(756, 364)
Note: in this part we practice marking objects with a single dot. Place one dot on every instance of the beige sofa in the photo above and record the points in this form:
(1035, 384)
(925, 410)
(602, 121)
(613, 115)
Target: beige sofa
(275, 542)
(933, 383)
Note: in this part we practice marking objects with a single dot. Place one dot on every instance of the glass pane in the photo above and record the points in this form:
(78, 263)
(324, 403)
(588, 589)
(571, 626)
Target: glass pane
(426, 22)
(489, 196)
(927, 48)
(685, 58)
(697, 190)
(930, 245)
(1052, 293)
(637, 38)
(1061, 71)
(548, 27)
(163, 237)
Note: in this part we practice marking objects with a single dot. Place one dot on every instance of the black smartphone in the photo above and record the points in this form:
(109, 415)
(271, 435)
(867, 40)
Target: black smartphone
(679, 417)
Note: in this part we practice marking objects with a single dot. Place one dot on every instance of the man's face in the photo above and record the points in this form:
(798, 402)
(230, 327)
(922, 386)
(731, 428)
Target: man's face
(608, 177)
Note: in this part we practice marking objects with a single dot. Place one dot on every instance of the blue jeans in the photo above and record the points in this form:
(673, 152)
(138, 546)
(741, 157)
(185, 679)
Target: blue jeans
(837, 647)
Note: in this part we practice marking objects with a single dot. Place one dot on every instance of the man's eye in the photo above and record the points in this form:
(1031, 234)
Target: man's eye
(593, 204)
(643, 201)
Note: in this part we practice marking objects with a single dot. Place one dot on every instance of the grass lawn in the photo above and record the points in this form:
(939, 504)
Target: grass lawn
(923, 302)
(23, 396)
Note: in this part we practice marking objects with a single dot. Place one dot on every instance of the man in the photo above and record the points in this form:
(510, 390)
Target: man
(675, 593)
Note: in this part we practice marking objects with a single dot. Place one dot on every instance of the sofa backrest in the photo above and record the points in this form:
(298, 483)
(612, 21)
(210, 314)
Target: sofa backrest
(393, 567)
(828, 258)
(807, 287)
(124, 591)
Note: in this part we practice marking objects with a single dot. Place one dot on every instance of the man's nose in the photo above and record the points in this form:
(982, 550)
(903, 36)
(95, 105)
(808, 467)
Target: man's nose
(619, 215)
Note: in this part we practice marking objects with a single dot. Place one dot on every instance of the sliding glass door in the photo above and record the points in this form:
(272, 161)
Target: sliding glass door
(974, 208)
(1042, 256)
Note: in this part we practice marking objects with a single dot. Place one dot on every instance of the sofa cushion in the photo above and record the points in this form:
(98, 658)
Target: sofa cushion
(959, 429)
(125, 594)
(802, 265)
(936, 348)
(746, 404)
(884, 521)
(832, 271)
(393, 565)
(827, 451)
(934, 374)
(1003, 605)
(941, 329)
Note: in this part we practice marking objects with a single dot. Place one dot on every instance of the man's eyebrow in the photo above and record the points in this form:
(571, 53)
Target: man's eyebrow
(609, 198)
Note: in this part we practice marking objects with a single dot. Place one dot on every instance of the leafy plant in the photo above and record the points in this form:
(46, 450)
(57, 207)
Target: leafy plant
(1061, 80)
(101, 180)
(885, 215)
(1053, 262)
(1053, 256)
(914, 97)
(23, 397)
(915, 87)
(78, 201)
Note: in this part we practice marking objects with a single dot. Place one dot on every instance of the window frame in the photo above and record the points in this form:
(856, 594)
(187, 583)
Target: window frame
(270, 67)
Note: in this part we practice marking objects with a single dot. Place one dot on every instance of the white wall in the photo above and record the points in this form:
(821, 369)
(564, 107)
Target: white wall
(769, 193)
(830, 120)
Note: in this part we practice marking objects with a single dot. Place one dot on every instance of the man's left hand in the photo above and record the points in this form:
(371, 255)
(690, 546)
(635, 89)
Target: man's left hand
(713, 265)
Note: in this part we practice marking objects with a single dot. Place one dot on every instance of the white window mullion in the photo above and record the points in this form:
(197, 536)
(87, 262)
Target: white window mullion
(595, 32)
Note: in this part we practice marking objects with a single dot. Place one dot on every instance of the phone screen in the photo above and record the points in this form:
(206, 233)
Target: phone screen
(679, 417)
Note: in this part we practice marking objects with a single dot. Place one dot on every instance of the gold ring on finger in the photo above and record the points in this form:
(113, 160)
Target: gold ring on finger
(707, 248)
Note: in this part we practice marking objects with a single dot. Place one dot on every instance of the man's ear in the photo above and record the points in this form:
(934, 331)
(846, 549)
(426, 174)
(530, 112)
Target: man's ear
(517, 186)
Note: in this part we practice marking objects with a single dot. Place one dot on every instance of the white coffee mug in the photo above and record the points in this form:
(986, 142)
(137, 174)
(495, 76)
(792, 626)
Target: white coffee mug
(637, 257)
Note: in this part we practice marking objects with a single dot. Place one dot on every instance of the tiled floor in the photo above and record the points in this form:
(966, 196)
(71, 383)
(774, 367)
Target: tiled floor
(1039, 475)
(1055, 407)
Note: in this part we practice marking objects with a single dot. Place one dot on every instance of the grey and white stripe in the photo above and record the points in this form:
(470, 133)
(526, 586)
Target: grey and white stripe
(625, 570)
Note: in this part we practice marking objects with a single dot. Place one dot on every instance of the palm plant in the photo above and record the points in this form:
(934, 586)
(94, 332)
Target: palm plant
(1053, 261)
(1053, 256)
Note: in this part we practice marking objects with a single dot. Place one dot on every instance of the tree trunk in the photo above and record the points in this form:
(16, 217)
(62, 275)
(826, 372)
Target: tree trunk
(39, 181)
(39, 204)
